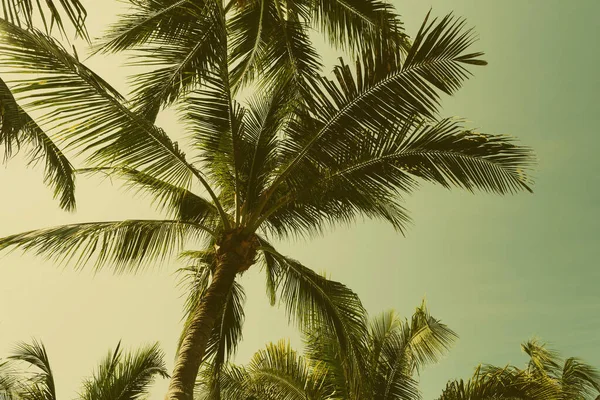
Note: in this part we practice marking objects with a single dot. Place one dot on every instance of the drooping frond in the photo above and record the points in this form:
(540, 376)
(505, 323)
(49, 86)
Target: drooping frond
(85, 111)
(50, 12)
(314, 302)
(39, 384)
(124, 245)
(125, 376)
(366, 178)
(17, 128)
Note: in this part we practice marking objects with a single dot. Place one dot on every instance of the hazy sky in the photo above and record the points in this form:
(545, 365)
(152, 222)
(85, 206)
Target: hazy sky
(496, 270)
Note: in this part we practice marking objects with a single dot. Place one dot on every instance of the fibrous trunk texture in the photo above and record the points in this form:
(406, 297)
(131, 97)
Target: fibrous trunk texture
(233, 255)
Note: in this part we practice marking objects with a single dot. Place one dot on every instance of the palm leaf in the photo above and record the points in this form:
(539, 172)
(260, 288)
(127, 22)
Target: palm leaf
(381, 94)
(313, 301)
(86, 111)
(40, 385)
(182, 61)
(125, 376)
(359, 24)
(18, 128)
(125, 245)
(25, 12)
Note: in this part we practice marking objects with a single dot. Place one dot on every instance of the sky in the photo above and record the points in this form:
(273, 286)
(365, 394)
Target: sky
(497, 270)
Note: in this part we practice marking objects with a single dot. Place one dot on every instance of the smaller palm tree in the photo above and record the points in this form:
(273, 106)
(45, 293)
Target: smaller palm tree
(120, 376)
(392, 352)
(546, 377)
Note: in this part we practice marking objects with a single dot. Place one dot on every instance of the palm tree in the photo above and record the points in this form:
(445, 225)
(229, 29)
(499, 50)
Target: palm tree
(393, 351)
(546, 377)
(305, 153)
(17, 128)
(120, 376)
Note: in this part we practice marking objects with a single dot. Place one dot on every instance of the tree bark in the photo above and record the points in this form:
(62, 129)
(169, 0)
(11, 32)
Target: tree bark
(193, 345)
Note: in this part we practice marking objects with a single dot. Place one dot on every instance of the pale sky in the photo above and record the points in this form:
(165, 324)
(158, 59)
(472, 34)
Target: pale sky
(497, 270)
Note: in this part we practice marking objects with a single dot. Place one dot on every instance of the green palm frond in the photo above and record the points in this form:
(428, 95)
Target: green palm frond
(429, 339)
(359, 25)
(40, 383)
(216, 122)
(181, 62)
(17, 128)
(545, 377)
(235, 383)
(50, 12)
(314, 302)
(381, 94)
(125, 376)
(86, 112)
(8, 381)
(267, 115)
(579, 379)
(124, 245)
(390, 361)
(150, 20)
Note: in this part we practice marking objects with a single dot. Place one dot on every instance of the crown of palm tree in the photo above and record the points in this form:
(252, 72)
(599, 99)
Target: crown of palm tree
(392, 352)
(304, 153)
(546, 377)
(120, 376)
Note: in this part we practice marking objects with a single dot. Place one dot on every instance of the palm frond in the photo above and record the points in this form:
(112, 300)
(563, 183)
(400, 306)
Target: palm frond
(182, 62)
(9, 381)
(17, 128)
(267, 115)
(312, 301)
(216, 123)
(382, 93)
(125, 376)
(40, 384)
(124, 245)
(86, 111)
(50, 12)
(359, 25)
(270, 46)
(579, 379)
(279, 373)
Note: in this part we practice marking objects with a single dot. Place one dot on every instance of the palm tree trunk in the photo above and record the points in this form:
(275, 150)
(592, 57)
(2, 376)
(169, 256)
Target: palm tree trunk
(196, 337)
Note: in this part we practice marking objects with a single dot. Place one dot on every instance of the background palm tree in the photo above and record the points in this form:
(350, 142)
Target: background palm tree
(546, 377)
(17, 128)
(302, 155)
(120, 376)
(393, 352)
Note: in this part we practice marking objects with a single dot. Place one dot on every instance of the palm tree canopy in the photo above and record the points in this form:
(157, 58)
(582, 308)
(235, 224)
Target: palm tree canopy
(304, 153)
(120, 376)
(393, 351)
(546, 377)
